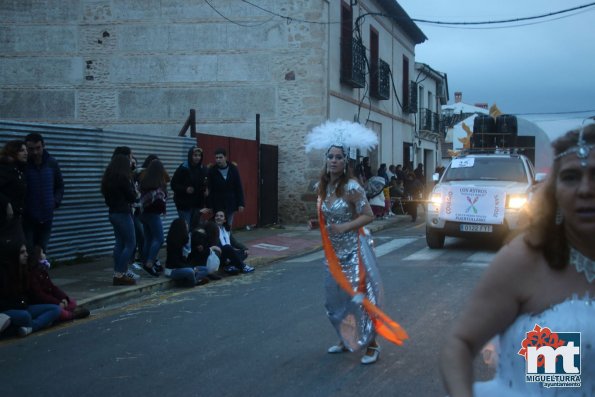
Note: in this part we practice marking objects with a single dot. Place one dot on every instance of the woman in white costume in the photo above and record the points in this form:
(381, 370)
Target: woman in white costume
(538, 285)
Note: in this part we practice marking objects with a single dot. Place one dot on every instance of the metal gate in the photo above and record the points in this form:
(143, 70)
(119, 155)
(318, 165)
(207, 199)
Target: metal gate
(81, 226)
(269, 192)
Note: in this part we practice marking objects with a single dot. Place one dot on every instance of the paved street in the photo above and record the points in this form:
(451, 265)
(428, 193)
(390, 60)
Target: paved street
(263, 334)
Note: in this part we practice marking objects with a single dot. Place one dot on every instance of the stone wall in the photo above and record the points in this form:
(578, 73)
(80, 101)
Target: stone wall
(140, 65)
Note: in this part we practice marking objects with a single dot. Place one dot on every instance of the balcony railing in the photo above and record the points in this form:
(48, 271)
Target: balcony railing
(353, 63)
(380, 81)
(428, 120)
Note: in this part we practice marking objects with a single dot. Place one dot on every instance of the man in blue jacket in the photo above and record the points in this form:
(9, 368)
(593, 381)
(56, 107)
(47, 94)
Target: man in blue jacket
(45, 189)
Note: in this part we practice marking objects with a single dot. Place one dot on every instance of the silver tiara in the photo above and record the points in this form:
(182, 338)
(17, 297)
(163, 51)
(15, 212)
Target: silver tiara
(582, 149)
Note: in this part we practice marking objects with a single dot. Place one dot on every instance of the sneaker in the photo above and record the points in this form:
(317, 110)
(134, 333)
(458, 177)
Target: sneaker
(80, 312)
(123, 280)
(132, 275)
(24, 331)
(247, 269)
(231, 270)
(137, 265)
(151, 270)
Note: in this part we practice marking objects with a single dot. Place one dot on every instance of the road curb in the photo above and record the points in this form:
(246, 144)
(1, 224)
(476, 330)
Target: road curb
(121, 294)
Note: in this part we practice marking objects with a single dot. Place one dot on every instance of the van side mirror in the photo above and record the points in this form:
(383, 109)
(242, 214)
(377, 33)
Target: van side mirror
(435, 177)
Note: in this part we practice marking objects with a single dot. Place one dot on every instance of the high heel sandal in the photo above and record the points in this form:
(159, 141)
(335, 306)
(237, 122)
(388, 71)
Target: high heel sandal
(371, 359)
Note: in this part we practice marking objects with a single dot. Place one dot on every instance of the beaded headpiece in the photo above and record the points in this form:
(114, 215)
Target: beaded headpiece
(581, 149)
(340, 133)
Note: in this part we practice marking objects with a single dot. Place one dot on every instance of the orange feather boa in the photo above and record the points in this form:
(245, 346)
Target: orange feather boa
(383, 324)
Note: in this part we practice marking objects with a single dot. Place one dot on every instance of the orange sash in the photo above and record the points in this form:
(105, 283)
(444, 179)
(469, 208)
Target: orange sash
(383, 324)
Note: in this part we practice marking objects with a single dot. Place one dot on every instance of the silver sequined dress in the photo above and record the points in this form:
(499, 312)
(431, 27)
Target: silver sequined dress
(352, 323)
(573, 315)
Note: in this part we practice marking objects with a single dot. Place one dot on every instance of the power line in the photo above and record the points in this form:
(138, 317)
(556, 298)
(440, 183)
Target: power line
(520, 25)
(504, 20)
(546, 113)
(234, 22)
(288, 18)
(451, 24)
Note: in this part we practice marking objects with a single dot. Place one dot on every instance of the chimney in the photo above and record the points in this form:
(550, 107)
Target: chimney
(458, 96)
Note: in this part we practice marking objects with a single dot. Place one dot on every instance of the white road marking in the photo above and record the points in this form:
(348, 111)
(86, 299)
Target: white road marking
(479, 259)
(318, 255)
(424, 255)
(381, 250)
(386, 248)
(270, 247)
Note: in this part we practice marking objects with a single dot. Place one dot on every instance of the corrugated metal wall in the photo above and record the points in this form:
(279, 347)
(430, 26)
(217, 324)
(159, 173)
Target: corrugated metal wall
(81, 225)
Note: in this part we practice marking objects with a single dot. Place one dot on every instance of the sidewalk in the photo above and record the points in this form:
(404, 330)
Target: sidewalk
(91, 283)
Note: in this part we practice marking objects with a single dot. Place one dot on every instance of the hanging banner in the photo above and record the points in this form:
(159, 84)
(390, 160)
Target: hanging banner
(473, 204)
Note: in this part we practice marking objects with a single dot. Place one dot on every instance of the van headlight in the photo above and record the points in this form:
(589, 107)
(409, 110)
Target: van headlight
(516, 201)
(435, 201)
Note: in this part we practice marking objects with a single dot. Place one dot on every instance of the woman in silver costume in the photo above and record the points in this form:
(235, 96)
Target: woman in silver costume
(353, 287)
(539, 284)
(346, 209)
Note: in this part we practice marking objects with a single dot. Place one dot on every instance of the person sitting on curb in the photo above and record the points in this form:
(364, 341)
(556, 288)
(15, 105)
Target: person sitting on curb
(233, 253)
(204, 252)
(176, 266)
(43, 290)
(14, 290)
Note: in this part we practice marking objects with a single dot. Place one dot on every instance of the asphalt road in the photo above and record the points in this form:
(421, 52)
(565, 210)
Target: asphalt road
(263, 334)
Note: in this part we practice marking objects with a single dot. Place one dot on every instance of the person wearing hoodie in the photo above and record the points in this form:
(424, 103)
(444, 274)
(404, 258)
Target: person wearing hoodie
(15, 290)
(45, 189)
(189, 185)
(43, 290)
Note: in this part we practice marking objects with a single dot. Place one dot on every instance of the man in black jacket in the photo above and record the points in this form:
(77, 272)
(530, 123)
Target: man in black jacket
(225, 187)
(189, 185)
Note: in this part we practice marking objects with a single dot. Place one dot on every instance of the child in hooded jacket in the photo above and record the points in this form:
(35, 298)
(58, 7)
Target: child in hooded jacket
(43, 290)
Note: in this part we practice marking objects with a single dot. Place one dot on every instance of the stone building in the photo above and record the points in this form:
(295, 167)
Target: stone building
(138, 66)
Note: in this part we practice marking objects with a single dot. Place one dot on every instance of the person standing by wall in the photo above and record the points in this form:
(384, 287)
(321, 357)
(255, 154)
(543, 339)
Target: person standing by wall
(13, 184)
(153, 189)
(118, 190)
(189, 185)
(225, 187)
(45, 189)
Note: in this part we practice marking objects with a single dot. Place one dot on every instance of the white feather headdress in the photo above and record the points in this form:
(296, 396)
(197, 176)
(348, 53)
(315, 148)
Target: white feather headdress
(343, 134)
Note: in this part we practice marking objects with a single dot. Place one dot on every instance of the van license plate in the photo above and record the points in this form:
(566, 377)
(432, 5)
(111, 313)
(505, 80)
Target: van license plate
(477, 228)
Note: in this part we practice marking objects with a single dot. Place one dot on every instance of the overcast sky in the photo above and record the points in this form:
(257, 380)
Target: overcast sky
(545, 66)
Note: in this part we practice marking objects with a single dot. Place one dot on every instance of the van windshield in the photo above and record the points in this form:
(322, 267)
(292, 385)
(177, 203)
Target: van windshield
(489, 168)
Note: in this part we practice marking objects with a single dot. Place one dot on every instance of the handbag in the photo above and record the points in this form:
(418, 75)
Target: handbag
(212, 262)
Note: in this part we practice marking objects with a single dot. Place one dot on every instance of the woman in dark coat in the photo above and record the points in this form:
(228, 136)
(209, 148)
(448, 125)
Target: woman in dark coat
(13, 185)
